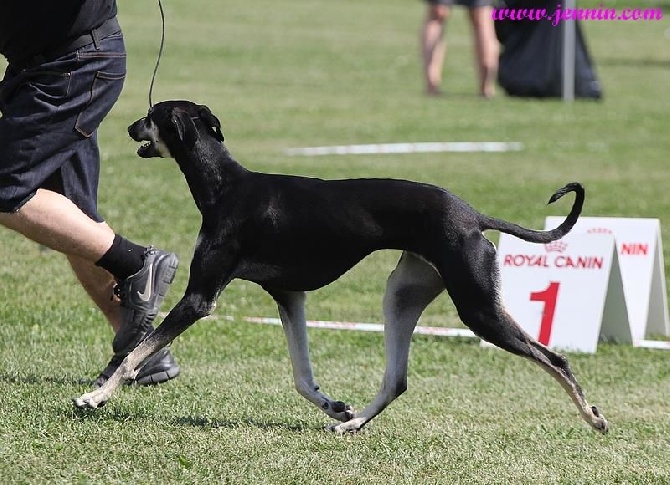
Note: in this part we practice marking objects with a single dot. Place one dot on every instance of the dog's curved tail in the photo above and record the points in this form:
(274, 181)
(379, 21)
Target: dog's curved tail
(543, 237)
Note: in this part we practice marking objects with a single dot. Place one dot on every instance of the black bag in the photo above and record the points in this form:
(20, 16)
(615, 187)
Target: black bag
(531, 59)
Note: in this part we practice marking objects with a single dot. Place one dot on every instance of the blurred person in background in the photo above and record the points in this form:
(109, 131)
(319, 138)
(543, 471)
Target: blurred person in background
(433, 46)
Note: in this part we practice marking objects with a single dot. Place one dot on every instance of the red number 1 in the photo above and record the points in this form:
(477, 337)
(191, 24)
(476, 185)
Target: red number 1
(549, 297)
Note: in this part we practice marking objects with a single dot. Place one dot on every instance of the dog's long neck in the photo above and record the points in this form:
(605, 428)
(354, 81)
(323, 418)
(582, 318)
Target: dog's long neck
(211, 172)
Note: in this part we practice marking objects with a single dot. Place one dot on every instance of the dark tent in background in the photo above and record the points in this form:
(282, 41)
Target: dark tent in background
(531, 59)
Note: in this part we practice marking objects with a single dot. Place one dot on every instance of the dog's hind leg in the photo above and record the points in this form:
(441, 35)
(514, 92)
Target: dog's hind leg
(509, 336)
(291, 306)
(412, 285)
(473, 282)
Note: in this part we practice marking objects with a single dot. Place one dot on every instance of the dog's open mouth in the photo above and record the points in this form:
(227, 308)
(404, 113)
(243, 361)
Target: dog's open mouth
(148, 150)
(145, 132)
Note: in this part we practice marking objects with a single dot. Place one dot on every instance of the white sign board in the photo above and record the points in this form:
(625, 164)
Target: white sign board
(640, 252)
(566, 294)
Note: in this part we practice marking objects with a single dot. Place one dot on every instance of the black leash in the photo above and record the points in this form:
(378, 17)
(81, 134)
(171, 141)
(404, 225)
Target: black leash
(160, 54)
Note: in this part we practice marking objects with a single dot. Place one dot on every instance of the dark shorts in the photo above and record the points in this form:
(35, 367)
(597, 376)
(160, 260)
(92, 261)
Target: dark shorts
(462, 3)
(50, 117)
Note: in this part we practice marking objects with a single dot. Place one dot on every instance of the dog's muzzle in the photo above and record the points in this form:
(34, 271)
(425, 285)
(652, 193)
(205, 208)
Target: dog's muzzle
(148, 150)
(143, 130)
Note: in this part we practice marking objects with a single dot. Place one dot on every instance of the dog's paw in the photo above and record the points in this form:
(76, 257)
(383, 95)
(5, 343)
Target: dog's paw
(599, 422)
(352, 426)
(90, 400)
(339, 410)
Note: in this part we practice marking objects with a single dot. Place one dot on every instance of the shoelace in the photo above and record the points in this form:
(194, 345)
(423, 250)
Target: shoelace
(118, 292)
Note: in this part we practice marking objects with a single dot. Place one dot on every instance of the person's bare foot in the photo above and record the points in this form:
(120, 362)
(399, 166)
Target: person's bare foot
(487, 93)
(433, 91)
(487, 90)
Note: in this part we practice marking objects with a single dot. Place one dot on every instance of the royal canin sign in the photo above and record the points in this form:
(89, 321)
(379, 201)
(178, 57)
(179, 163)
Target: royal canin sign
(625, 248)
(553, 258)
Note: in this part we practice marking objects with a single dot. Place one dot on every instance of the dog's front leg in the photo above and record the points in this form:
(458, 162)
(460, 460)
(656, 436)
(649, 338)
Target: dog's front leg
(181, 317)
(211, 271)
(291, 306)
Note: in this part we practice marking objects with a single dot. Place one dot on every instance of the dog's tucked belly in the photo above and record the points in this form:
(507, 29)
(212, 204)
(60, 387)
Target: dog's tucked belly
(306, 275)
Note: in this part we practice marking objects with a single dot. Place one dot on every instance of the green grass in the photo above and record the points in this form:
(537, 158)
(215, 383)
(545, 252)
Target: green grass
(307, 73)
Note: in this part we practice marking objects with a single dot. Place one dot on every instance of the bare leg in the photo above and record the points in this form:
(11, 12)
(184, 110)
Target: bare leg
(486, 49)
(410, 289)
(433, 47)
(54, 221)
(292, 312)
(99, 285)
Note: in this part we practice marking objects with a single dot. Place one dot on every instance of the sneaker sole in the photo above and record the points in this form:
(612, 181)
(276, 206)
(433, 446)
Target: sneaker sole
(160, 367)
(159, 377)
(163, 284)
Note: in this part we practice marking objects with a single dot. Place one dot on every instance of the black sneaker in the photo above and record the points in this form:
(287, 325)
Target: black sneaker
(141, 296)
(161, 367)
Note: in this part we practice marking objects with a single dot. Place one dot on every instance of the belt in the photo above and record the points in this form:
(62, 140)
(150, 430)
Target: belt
(108, 27)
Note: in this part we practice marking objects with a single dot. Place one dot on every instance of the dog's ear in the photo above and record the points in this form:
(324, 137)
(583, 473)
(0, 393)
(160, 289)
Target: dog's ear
(211, 121)
(185, 128)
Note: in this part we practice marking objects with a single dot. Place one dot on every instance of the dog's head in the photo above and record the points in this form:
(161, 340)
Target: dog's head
(171, 126)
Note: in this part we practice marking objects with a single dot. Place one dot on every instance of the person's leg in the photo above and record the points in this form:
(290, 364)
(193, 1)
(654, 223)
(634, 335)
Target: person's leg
(99, 285)
(49, 170)
(486, 49)
(54, 221)
(433, 47)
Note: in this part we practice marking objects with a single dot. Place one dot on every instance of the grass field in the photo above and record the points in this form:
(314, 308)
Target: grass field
(308, 73)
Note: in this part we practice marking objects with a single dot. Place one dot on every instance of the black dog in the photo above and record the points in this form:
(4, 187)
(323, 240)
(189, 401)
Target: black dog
(295, 234)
